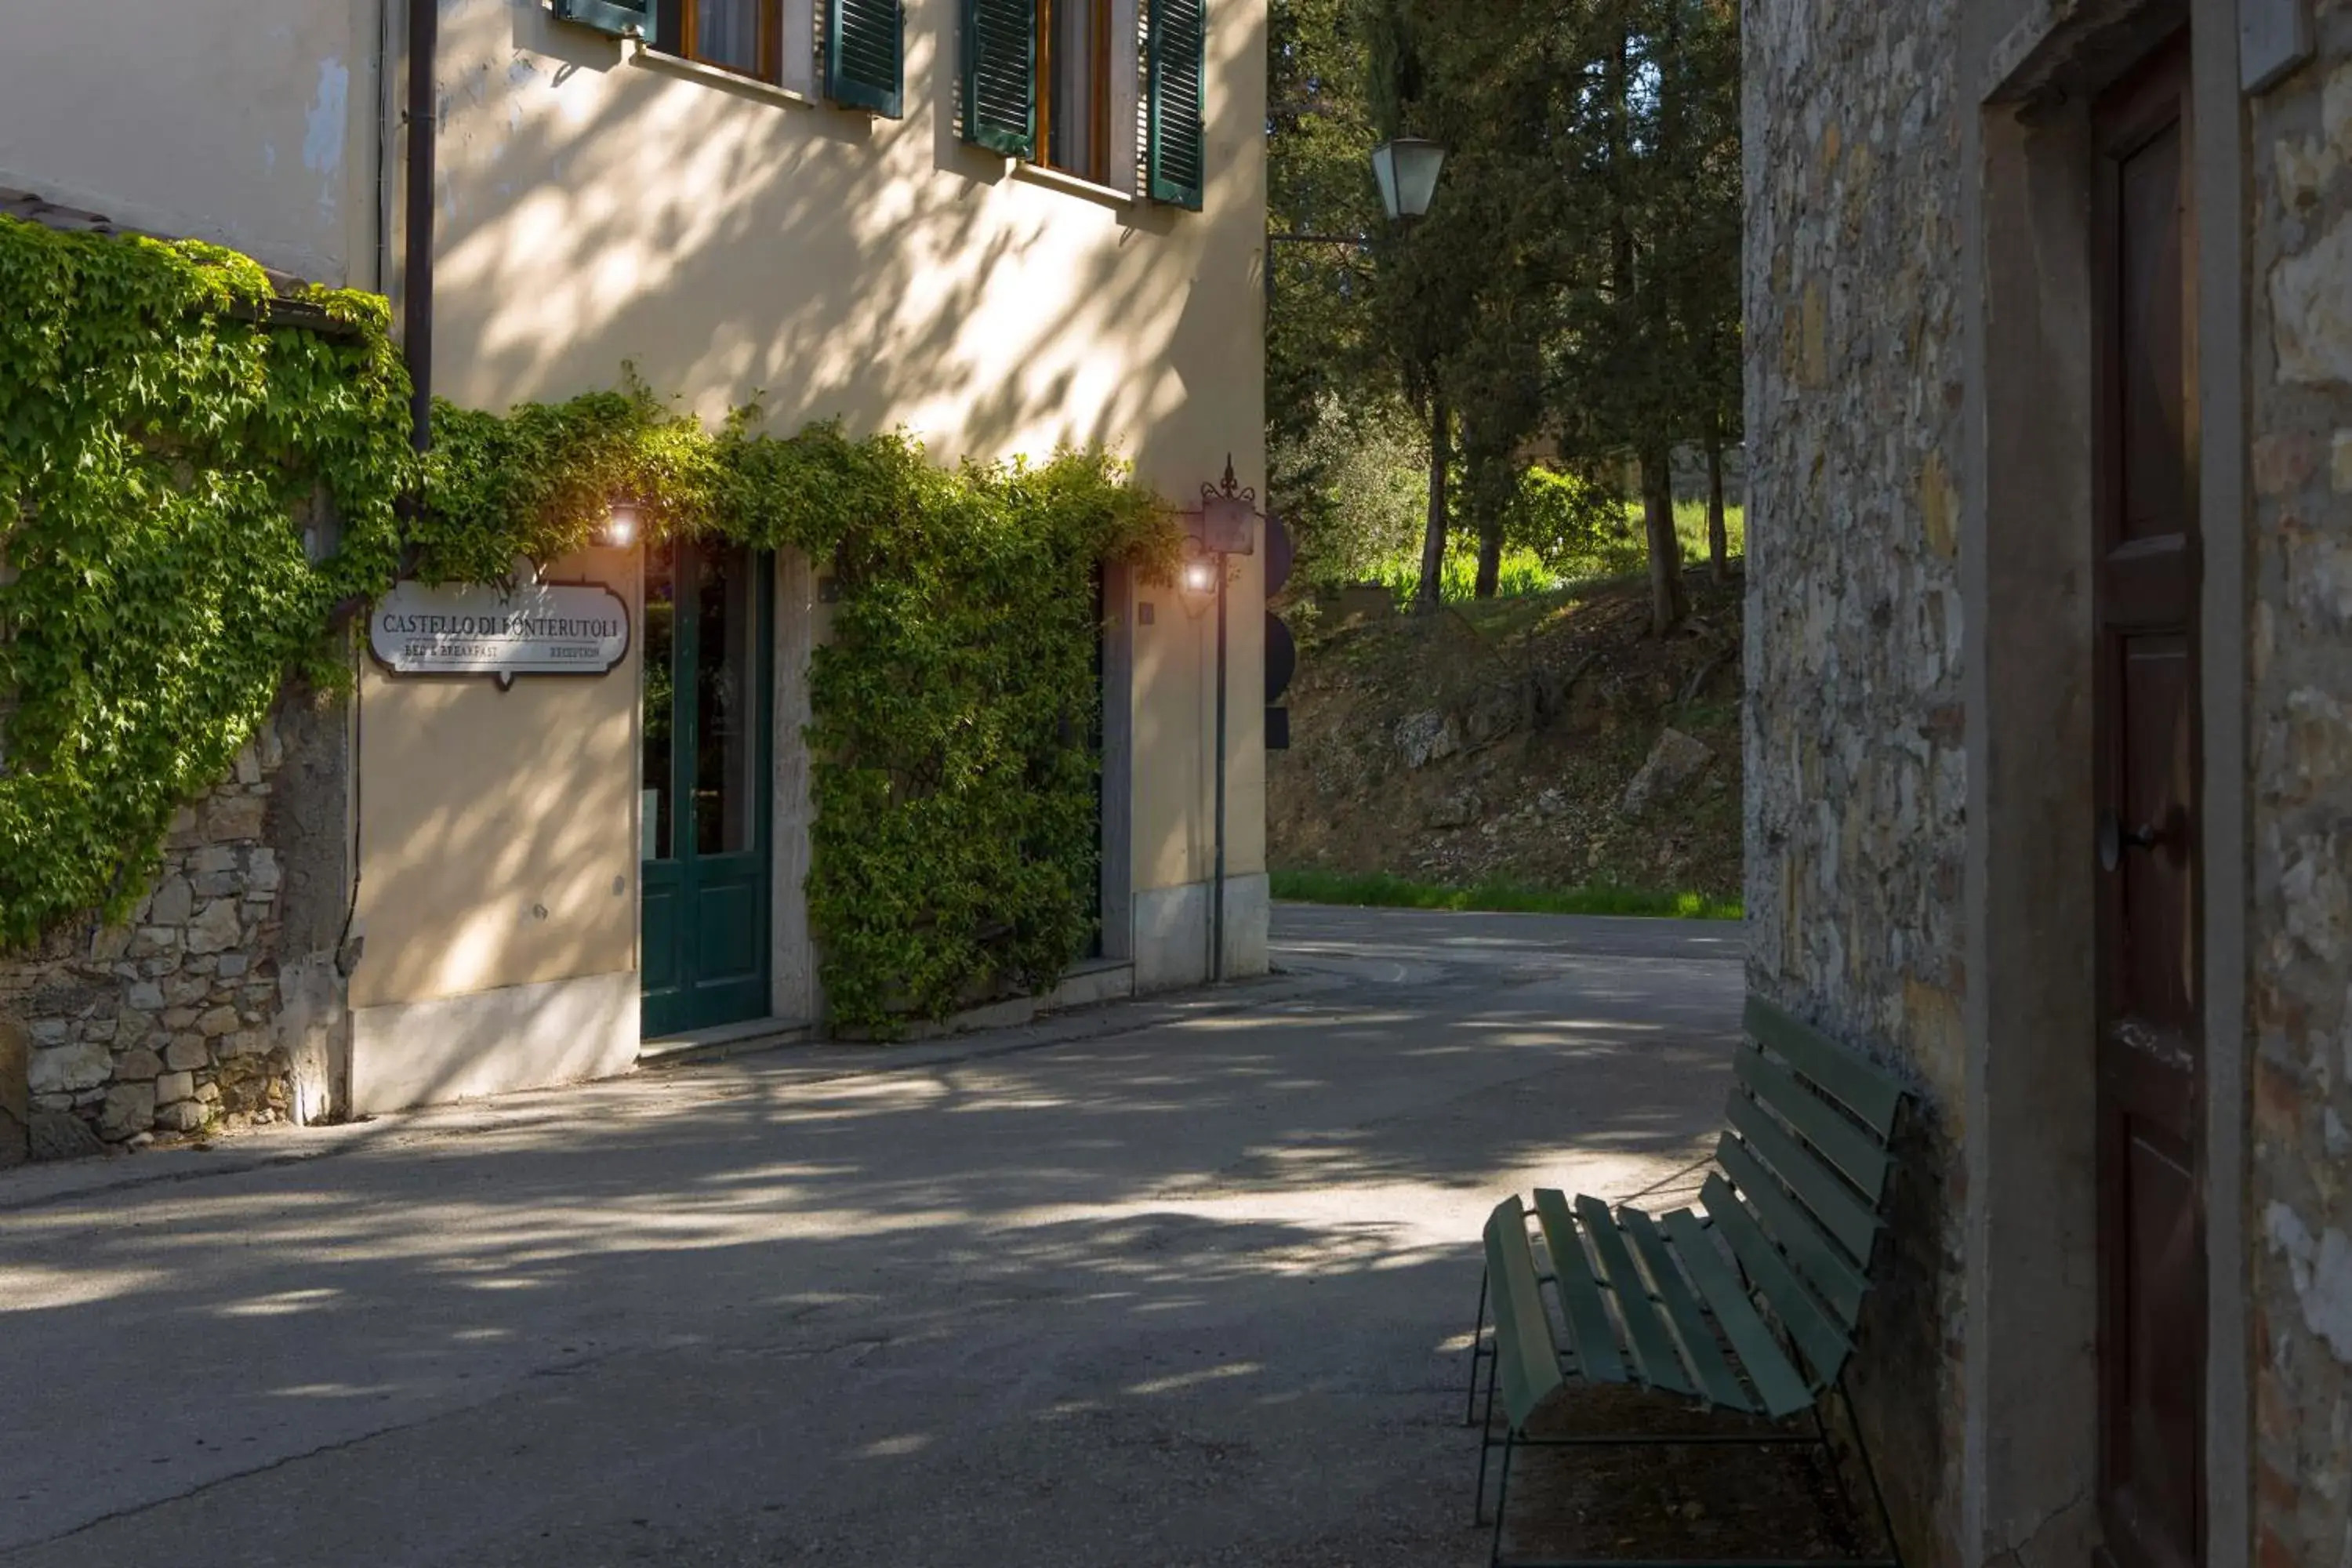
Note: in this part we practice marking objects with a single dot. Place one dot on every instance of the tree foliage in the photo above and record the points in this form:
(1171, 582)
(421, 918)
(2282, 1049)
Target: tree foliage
(157, 447)
(1573, 295)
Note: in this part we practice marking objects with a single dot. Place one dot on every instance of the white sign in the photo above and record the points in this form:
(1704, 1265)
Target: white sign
(532, 628)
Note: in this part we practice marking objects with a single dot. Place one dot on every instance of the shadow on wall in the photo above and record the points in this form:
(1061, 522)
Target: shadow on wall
(594, 210)
(495, 850)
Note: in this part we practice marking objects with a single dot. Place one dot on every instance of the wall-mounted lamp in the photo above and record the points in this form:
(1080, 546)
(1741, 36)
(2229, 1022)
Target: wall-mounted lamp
(622, 522)
(1406, 170)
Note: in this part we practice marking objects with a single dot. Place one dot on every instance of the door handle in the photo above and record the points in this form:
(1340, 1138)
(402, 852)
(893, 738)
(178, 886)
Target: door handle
(2115, 838)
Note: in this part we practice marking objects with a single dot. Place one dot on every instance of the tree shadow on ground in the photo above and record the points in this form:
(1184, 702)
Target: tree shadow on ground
(1194, 1293)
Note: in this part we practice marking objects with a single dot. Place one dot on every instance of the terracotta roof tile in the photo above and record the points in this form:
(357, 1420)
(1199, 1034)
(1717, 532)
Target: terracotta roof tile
(35, 208)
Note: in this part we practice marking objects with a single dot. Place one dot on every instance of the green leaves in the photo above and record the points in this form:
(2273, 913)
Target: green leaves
(956, 838)
(154, 452)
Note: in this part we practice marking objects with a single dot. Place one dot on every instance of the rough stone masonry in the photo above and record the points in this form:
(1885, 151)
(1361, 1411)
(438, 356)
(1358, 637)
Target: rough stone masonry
(205, 1010)
(1856, 768)
(2300, 931)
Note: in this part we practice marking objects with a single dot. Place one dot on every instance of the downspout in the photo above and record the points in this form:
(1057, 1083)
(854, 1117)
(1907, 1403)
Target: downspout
(416, 351)
(416, 275)
(387, 135)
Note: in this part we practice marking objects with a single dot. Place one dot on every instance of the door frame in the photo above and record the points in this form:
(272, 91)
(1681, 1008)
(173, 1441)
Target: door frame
(2027, 1437)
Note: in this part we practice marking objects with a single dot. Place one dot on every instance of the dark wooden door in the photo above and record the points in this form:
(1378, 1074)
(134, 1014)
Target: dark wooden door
(2151, 1048)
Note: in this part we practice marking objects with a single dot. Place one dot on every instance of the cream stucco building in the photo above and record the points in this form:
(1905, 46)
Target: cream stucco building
(740, 199)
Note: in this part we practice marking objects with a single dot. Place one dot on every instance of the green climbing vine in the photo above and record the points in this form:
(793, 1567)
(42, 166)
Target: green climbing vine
(956, 704)
(157, 448)
(188, 497)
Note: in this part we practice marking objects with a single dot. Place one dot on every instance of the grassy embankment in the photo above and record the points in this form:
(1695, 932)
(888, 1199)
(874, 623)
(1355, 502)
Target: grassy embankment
(1523, 571)
(1379, 889)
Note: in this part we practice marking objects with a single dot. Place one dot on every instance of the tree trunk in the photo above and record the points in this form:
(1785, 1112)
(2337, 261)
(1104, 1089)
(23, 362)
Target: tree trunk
(1666, 602)
(1718, 543)
(1490, 556)
(1433, 545)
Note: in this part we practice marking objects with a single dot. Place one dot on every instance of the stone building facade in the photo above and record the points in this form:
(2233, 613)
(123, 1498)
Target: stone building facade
(1929, 466)
(1856, 830)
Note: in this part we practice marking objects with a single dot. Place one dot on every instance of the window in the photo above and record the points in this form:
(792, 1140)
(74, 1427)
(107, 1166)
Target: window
(1073, 86)
(745, 36)
(1052, 82)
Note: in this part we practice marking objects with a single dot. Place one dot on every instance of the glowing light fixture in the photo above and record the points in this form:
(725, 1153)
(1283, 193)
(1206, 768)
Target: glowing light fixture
(622, 522)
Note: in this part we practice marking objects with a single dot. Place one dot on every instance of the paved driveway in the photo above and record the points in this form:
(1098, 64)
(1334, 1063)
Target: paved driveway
(1177, 1282)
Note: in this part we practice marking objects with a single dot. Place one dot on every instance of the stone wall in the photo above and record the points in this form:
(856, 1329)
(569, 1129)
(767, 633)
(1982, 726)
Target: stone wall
(218, 1004)
(1856, 768)
(2300, 935)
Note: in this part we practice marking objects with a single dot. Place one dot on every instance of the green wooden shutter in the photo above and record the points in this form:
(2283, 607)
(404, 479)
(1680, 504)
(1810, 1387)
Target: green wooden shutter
(619, 17)
(1000, 76)
(1179, 75)
(865, 59)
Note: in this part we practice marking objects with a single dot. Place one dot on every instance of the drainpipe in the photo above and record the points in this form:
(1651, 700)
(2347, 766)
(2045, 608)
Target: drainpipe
(416, 276)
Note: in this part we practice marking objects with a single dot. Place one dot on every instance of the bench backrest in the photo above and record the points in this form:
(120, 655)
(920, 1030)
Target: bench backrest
(1804, 1163)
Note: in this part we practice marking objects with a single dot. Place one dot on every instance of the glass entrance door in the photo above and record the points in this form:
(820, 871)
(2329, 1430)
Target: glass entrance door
(708, 738)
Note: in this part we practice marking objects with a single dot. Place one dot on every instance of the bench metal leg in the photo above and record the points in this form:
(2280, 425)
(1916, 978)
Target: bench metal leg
(1869, 1473)
(1502, 1499)
(1485, 1440)
(1478, 1353)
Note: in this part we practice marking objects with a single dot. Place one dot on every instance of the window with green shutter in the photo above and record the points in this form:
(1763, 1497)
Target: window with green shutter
(1174, 102)
(865, 55)
(1000, 76)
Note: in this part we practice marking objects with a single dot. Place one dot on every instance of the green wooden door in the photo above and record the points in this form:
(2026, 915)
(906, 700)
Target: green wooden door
(709, 709)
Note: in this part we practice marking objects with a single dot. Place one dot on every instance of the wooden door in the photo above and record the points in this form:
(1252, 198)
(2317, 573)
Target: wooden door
(2151, 1046)
(708, 725)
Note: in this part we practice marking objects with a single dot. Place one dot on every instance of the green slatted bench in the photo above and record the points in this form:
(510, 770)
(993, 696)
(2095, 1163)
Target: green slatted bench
(1748, 1307)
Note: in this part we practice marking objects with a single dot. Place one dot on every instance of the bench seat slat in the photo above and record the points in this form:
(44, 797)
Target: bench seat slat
(1780, 1386)
(1526, 1356)
(1653, 1350)
(1700, 1350)
(1854, 1080)
(1846, 1146)
(1818, 1336)
(1594, 1337)
(1821, 1190)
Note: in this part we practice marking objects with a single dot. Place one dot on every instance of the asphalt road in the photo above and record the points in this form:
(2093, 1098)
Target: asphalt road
(1171, 1282)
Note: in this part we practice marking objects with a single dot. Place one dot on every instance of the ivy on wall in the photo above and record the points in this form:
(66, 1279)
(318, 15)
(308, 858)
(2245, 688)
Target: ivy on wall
(157, 447)
(956, 703)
